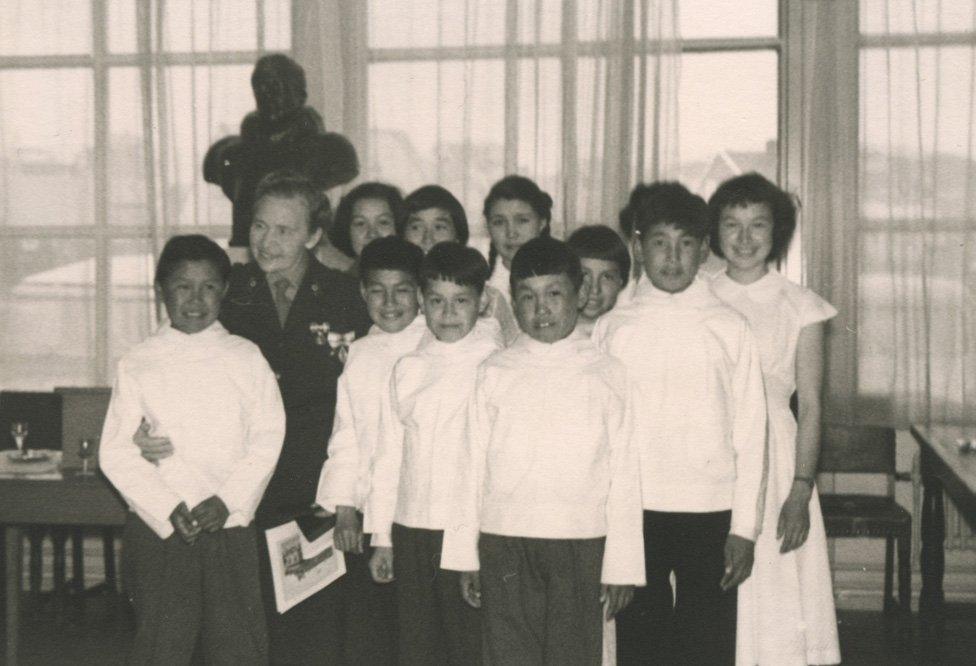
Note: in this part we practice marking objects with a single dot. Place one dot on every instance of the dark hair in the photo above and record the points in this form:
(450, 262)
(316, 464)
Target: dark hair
(391, 253)
(191, 247)
(288, 184)
(518, 188)
(339, 230)
(753, 188)
(455, 263)
(597, 241)
(435, 196)
(665, 202)
(545, 256)
(281, 67)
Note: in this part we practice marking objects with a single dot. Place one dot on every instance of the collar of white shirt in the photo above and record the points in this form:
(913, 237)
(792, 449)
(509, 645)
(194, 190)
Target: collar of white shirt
(698, 294)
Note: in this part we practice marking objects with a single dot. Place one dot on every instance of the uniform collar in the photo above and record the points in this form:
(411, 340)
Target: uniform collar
(698, 294)
(294, 275)
(567, 347)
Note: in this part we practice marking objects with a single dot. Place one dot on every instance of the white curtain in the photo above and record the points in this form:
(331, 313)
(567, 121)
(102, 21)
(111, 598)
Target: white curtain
(581, 96)
(106, 111)
(889, 211)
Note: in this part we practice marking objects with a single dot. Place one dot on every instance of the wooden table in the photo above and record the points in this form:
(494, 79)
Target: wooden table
(73, 500)
(945, 469)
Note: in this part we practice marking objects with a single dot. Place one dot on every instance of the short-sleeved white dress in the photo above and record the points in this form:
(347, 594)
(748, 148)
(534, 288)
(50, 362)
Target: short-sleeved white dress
(786, 610)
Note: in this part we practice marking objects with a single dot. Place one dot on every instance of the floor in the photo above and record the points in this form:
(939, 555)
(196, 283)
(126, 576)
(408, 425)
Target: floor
(99, 632)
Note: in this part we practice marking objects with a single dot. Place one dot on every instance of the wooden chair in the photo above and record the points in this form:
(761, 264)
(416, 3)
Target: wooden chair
(869, 450)
(42, 411)
(83, 413)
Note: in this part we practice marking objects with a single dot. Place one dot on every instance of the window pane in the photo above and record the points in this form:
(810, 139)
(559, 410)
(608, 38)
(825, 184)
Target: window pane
(47, 143)
(438, 123)
(699, 19)
(539, 150)
(539, 22)
(122, 28)
(407, 23)
(127, 203)
(593, 20)
(45, 27)
(901, 17)
(917, 106)
(132, 317)
(47, 313)
(590, 106)
(220, 97)
(209, 25)
(277, 25)
(727, 117)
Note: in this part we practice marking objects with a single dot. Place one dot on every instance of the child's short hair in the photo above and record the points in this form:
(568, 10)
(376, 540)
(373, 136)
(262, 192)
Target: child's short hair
(435, 196)
(597, 241)
(753, 188)
(289, 184)
(665, 202)
(391, 253)
(545, 256)
(339, 230)
(453, 262)
(191, 247)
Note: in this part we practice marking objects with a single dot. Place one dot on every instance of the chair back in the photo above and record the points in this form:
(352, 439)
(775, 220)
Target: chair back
(857, 450)
(82, 416)
(41, 411)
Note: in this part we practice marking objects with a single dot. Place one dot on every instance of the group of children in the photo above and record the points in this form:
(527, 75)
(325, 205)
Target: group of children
(527, 447)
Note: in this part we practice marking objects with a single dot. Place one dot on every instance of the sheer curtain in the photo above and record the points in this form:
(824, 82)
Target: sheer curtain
(579, 95)
(107, 108)
(888, 193)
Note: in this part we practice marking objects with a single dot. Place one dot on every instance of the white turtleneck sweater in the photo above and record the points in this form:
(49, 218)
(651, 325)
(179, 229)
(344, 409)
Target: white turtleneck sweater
(700, 408)
(365, 378)
(549, 456)
(216, 399)
(423, 426)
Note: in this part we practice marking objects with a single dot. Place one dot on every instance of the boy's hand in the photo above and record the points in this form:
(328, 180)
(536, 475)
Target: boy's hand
(381, 564)
(184, 523)
(348, 531)
(738, 561)
(616, 598)
(211, 514)
(153, 449)
(471, 588)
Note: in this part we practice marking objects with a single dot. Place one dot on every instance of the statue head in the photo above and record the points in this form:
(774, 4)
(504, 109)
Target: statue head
(279, 87)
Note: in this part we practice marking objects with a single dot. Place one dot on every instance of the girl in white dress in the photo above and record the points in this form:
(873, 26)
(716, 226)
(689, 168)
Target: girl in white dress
(786, 610)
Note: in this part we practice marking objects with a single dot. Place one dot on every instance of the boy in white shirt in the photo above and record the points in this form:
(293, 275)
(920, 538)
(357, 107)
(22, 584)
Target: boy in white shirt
(606, 266)
(390, 282)
(699, 430)
(424, 424)
(191, 559)
(551, 483)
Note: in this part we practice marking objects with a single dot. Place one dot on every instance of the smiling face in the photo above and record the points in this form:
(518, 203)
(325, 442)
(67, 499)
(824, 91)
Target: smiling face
(280, 233)
(745, 234)
(547, 306)
(428, 227)
(605, 282)
(392, 299)
(371, 219)
(511, 224)
(451, 309)
(671, 256)
(192, 293)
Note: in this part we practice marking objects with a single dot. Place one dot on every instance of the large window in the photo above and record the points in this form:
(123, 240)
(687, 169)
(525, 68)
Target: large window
(917, 203)
(460, 93)
(108, 107)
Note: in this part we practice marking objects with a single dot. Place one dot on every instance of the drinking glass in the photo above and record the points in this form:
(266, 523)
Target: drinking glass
(19, 431)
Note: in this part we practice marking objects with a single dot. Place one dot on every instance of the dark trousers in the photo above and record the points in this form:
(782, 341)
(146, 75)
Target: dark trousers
(436, 626)
(698, 625)
(369, 615)
(541, 600)
(181, 594)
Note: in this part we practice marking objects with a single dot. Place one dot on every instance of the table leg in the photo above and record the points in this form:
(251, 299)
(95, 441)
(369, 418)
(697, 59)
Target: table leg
(931, 604)
(14, 554)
